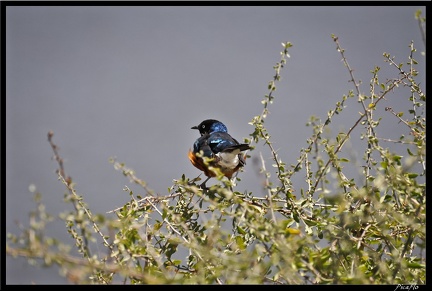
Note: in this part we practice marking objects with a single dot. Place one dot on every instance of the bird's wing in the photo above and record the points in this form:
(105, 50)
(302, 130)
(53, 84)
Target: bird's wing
(220, 141)
(201, 144)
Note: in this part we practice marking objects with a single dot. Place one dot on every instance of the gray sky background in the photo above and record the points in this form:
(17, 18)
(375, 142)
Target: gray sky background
(130, 82)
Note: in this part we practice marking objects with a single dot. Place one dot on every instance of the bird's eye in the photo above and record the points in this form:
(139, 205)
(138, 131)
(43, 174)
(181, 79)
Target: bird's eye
(203, 126)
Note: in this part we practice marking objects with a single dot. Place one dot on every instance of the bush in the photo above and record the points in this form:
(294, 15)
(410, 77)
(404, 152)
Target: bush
(335, 230)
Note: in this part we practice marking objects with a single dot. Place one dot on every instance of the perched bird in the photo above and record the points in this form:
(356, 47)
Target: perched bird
(216, 144)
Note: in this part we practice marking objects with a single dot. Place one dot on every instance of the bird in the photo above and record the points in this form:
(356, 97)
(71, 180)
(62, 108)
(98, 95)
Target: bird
(215, 143)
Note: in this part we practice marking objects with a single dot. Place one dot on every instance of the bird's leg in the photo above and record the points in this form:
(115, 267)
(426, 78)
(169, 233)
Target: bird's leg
(203, 184)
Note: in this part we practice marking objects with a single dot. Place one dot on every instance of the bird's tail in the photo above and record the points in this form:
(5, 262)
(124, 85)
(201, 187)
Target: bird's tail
(242, 147)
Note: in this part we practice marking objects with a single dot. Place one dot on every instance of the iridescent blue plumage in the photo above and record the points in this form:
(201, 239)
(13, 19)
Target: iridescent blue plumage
(217, 144)
(214, 143)
(218, 126)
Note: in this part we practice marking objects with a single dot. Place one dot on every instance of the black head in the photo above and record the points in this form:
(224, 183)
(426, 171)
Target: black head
(210, 125)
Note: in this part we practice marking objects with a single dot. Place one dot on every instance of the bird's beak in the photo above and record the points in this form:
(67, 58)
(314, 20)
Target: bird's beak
(194, 127)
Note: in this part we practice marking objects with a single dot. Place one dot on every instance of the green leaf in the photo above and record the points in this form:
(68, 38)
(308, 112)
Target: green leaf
(240, 242)
(412, 175)
(414, 265)
(397, 159)
(241, 230)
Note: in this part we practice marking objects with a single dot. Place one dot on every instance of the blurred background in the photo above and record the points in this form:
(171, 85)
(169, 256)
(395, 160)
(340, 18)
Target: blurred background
(129, 82)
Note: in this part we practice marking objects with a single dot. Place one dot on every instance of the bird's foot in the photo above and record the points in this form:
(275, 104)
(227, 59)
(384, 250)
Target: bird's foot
(203, 186)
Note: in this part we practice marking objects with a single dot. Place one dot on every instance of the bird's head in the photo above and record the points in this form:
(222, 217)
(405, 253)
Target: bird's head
(209, 126)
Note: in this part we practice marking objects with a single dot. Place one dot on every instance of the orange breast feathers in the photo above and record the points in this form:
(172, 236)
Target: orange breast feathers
(199, 164)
